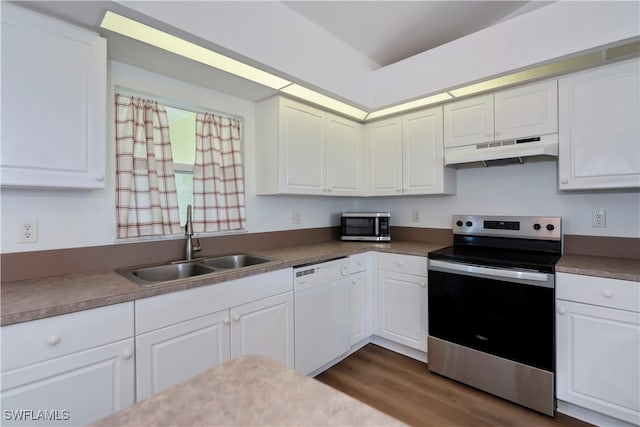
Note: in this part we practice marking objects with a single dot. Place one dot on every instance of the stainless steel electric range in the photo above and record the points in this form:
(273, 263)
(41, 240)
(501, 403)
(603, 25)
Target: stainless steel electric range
(491, 307)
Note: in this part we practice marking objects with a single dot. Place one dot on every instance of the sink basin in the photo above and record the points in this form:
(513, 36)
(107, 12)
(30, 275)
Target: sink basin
(234, 261)
(159, 274)
(164, 273)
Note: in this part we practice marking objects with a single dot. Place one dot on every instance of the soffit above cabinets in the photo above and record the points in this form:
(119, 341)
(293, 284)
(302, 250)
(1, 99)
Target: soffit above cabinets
(306, 50)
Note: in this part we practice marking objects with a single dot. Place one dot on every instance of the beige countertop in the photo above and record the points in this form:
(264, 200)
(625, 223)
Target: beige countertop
(249, 391)
(32, 299)
(587, 265)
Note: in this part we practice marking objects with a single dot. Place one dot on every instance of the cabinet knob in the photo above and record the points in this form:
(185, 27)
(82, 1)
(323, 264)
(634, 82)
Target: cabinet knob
(564, 181)
(236, 318)
(100, 178)
(562, 310)
(127, 353)
(344, 271)
(226, 321)
(423, 284)
(607, 293)
(53, 339)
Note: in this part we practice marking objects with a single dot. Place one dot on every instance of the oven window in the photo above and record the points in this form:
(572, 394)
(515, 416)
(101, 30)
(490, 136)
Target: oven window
(506, 319)
(358, 226)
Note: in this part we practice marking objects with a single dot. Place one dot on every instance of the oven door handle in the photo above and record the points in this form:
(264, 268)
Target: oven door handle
(487, 271)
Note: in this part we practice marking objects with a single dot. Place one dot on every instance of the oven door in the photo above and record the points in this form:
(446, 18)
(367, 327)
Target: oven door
(503, 312)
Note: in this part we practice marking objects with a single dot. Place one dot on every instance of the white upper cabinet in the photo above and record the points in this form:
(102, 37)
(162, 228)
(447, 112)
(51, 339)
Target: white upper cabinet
(304, 150)
(469, 121)
(423, 155)
(384, 157)
(343, 156)
(600, 128)
(520, 112)
(405, 156)
(525, 111)
(53, 103)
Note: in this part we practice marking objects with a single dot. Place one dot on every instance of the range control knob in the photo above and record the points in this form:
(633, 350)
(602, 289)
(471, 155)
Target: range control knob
(550, 227)
(469, 224)
(459, 223)
(536, 226)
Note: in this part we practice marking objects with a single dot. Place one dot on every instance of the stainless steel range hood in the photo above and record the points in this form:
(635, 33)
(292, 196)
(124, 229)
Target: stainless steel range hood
(505, 152)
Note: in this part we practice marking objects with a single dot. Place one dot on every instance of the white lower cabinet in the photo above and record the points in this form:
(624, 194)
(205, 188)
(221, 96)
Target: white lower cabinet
(176, 353)
(402, 299)
(598, 345)
(361, 296)
(183, 334)
(264, 327)
(71, 369)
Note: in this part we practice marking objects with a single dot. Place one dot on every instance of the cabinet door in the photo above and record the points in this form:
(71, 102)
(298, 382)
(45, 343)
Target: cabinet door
(402, 300)
(264, 327)
(422, 151)
(599, 128)
(49, 67)
(344, 157)
(468, 122)
(360, 306)
(527, 111)
(302, 134)
(176, 353)
(76, 389)
(598, 359)
(384, 154)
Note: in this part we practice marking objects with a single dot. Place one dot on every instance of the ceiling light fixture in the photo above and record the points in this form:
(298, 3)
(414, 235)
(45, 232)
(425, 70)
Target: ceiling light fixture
(325, 101)
(410, 105)
(548, 70)
(154, 37)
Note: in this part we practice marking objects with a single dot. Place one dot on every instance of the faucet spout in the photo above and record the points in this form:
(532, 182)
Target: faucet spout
(188, 231)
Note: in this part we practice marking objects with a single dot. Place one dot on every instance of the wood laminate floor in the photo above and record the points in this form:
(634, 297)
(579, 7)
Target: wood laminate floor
(405, 389)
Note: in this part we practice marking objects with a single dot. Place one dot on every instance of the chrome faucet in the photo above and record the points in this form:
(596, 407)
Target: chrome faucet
(188, 231)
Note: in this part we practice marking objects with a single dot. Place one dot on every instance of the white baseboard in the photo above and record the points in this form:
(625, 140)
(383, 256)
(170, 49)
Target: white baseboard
(590, 416)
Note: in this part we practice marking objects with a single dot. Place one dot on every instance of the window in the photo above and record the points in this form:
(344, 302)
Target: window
(169, 158)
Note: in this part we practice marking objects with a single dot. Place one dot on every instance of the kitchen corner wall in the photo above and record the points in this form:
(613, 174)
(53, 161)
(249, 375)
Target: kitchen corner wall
(529, 189)
(71, 219)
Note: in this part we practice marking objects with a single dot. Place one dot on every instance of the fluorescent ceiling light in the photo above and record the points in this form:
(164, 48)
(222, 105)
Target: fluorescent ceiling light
(154, 37)
(410, 105)
(325, 101)
(542, 71)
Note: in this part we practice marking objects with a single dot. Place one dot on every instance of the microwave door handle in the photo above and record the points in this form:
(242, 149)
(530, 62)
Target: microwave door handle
(377, 230)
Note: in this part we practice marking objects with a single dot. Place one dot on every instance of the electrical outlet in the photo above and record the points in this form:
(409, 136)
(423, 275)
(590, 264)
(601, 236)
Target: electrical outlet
(416, 215)
(296, 217)
(599, 218)
(28, 231)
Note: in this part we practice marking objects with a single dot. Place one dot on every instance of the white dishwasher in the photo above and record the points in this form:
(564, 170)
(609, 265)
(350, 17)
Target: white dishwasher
(322, 313)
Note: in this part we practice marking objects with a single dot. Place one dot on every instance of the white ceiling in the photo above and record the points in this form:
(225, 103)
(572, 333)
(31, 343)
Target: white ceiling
(390, 31)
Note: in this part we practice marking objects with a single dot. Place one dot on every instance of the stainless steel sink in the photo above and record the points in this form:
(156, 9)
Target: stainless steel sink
(165, 273)
(160, 274)
(234, 261)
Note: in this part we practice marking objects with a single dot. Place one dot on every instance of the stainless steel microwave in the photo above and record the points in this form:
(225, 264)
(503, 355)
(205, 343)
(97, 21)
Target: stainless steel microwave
(366, 226)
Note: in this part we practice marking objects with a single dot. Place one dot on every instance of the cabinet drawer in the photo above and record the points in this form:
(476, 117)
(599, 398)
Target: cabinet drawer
(605, 292)
(408, 264)
(43, 339)
(359, 262)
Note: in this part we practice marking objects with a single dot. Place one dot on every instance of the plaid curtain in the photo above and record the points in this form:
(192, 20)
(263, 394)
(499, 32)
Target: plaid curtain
(146, 198)
(218, 183)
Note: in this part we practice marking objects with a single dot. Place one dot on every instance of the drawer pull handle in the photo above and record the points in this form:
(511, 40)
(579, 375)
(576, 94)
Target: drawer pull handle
(562, 311)
(127, 353)
(607, 293)
(53, 340)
